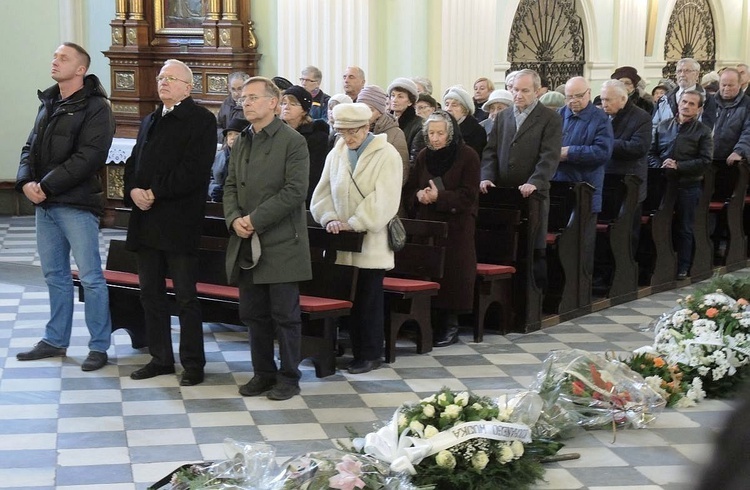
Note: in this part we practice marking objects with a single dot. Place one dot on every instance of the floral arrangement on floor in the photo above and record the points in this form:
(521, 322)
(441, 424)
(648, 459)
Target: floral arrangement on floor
(335, 469)
(586, 390)
(707, 337)
(671, 381)
(455, 440)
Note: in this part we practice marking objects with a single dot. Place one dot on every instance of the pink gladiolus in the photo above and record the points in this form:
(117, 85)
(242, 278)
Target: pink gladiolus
(348, 477)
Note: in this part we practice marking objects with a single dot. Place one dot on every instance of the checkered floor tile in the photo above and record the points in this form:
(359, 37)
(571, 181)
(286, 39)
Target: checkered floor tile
(66, 429)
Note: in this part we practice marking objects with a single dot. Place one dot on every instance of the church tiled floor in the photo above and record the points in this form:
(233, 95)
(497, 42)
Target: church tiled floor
(63, 428)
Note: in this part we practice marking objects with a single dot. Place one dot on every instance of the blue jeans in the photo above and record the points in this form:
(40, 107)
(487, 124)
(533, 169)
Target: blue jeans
(687, 201)
(60, 230)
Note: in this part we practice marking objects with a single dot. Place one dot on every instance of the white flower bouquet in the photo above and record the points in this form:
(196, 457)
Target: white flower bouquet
(455, 440)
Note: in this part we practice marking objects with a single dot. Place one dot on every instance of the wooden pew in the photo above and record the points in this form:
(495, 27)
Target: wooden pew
(657, 260)
(614, 237)
(410, 286)
(727, 208)
(323, 299)
(569, 284)
(507, 226)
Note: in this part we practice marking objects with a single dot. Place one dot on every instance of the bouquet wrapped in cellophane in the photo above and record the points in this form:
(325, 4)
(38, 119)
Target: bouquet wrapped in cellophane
(585, 390)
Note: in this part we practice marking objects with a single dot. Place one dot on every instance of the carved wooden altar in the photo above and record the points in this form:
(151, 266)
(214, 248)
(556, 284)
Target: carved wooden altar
(213, 37)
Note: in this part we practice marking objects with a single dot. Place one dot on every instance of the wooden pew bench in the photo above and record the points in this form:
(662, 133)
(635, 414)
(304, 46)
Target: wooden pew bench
(322, 300)
(506, 294)
(569, 286)
(726, 209)
(657, 260)
(410, 286)
(616, 270)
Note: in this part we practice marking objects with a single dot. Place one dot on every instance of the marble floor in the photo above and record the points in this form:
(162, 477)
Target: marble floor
(66, 429)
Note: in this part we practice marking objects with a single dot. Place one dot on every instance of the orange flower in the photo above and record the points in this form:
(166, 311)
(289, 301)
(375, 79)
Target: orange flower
(742, 302)
(578, 388)
(712, 312)
(659, 362)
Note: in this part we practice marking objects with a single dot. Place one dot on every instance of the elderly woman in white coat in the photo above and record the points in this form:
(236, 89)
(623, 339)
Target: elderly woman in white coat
(360, 190)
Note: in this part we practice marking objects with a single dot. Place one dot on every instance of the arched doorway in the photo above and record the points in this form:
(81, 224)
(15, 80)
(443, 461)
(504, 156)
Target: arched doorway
(690, 34)
(547, 36)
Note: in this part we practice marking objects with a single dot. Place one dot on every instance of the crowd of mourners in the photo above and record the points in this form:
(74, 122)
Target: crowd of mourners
(354, 160)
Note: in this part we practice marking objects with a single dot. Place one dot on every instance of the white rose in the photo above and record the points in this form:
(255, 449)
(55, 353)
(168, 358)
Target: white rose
(477, 406)
(506, 455)
(402, 421)
(429, 399)
(442, 399)
(479, 460)
(428, 411)
(430, 431)
(462, 399)
(517, 448)
(445, 459)
(416, 426)
(453, 411)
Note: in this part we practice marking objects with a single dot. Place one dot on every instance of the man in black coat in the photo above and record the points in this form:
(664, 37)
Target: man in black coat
(631, 127)
(59, 173)
(166, 179)
(688, 73)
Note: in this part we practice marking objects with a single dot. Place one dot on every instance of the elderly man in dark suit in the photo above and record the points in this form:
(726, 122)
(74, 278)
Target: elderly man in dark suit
(166, 179)
(523, 150)
(631, 127)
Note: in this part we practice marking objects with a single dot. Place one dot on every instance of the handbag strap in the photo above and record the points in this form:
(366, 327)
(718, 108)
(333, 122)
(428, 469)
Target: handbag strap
(355, 184)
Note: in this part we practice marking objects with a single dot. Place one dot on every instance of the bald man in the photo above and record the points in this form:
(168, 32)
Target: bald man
(354, 81)
(586, 148)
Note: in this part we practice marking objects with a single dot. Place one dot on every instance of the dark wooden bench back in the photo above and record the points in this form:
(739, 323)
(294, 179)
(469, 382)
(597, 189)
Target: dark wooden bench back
(423, 257)
(619, 193)
(568, 200)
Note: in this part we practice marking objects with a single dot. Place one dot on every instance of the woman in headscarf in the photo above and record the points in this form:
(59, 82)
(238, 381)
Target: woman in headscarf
(444, 186)
(295, 111)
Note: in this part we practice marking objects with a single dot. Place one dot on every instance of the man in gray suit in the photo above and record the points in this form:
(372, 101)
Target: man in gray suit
(523, 150)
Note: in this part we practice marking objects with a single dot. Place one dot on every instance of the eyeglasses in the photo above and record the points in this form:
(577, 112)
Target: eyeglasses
(251, 99)
(169, 79)
(348, 132)
(577, 96)
(305, 80)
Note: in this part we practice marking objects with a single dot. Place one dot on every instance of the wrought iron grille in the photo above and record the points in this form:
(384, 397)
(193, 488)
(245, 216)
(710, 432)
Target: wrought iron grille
(690, 34)
(547, 36)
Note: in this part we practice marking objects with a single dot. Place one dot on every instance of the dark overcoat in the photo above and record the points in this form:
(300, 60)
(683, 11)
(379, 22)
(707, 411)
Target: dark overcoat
(172, 156)
(456, 205)
(631, 127)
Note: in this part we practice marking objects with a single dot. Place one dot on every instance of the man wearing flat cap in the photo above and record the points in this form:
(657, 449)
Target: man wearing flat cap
(268, 252)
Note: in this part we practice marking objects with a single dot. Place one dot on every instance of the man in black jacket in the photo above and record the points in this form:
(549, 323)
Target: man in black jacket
(166, 179)
(59, 173)
(684, 144)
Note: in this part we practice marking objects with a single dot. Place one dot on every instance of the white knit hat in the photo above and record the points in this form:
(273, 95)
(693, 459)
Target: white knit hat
(353, 115)
(339, 99)
(404, 84)
(499, 95)
(462, 96)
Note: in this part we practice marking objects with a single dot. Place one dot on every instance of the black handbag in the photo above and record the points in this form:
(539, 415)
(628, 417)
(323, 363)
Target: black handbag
(396, 231)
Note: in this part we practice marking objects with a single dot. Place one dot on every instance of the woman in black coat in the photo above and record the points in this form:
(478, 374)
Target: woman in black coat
(444, 186)
(295, 111)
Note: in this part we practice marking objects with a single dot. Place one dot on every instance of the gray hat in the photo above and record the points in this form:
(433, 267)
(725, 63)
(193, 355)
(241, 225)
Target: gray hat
(552, 99)
(499, 95)
(462, 96)
(404, 84)
(353, 115)
(251, 261)
(373, 96)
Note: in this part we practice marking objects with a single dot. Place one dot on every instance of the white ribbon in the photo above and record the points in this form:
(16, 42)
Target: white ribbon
(403, 452)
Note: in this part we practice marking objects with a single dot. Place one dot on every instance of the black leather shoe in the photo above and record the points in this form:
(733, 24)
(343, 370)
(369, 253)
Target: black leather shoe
(257, 386)
(282, 391)
(191, 377)
(445, 338)
(682, 275)
(151, 370)
(41, 350)
(95, 360)
(359, 366)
